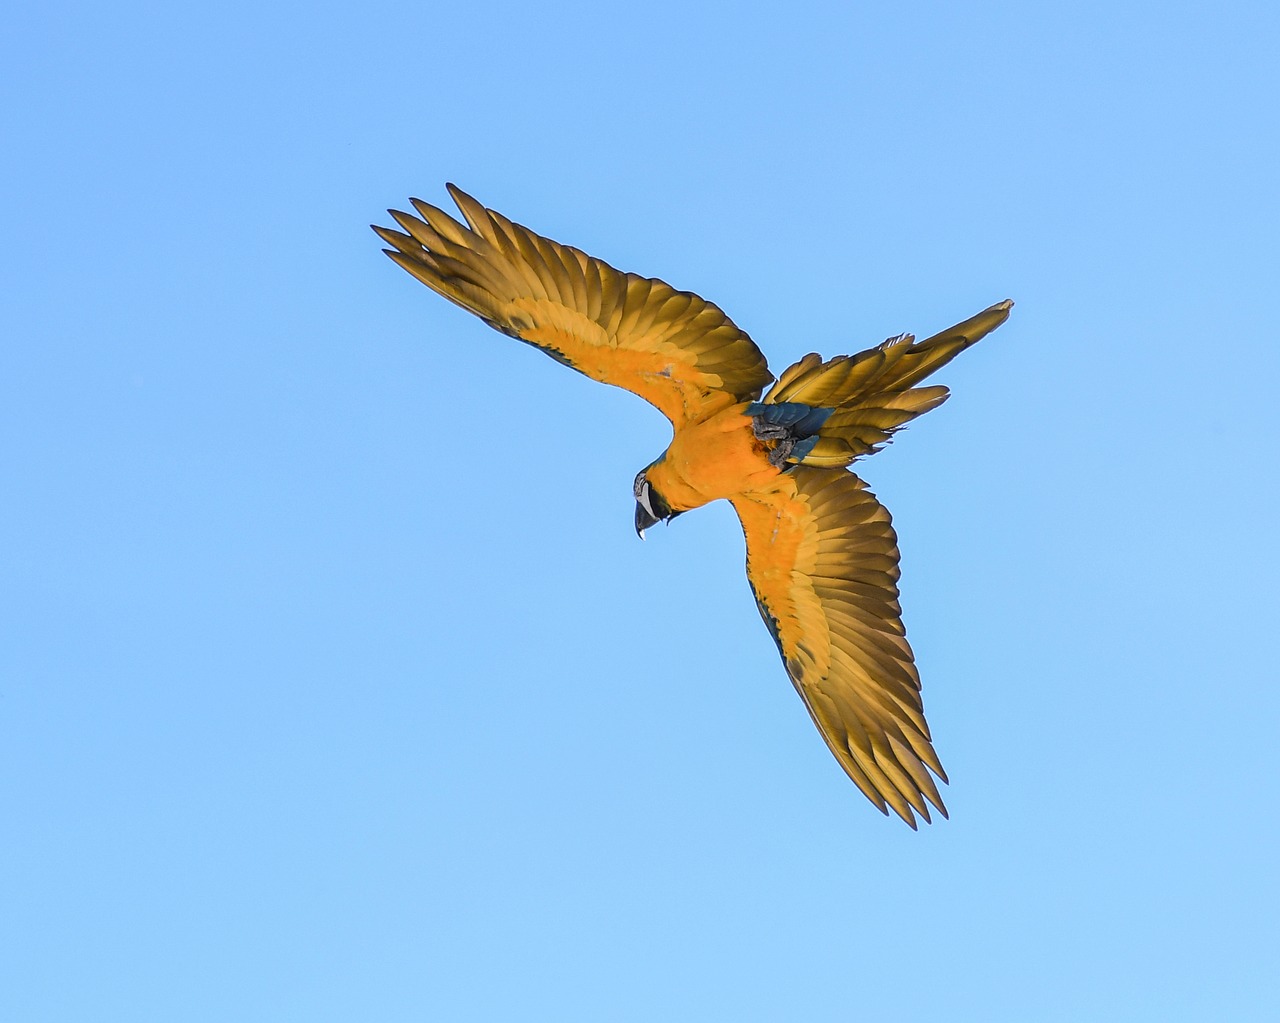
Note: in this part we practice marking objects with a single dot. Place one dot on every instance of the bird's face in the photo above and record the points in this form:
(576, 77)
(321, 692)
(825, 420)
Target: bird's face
(650, 506)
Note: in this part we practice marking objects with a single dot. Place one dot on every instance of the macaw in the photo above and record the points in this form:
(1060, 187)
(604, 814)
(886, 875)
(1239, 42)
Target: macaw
(822, 555)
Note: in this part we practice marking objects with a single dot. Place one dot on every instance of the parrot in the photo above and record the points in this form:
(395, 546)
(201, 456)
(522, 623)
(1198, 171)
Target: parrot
(821, 551)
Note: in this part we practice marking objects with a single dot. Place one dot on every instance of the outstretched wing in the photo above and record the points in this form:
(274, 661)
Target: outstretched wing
(822, 558)
(675, 350)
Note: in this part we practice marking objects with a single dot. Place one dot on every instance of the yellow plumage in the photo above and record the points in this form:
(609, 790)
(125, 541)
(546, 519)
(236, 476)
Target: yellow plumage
(822, 556)
(872, 393)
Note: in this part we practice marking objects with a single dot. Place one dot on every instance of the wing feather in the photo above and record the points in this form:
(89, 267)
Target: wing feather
(822, 559)
(674, 349)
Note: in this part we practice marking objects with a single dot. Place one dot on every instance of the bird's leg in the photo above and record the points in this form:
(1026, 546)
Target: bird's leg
(777, 435)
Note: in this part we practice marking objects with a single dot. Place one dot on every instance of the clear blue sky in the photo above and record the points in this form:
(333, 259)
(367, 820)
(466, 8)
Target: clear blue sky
(334, 683)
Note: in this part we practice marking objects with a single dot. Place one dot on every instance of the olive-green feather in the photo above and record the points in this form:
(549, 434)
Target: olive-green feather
(872, 394)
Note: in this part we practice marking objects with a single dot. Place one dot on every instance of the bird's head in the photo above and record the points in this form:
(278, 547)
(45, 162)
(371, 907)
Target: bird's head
(651, 507)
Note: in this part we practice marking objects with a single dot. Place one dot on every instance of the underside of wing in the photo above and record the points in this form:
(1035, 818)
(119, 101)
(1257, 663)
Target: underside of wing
(675, 350)
(822, 558)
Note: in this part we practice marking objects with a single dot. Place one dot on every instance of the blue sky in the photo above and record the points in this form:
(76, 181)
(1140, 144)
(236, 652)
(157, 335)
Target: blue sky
(334, 683)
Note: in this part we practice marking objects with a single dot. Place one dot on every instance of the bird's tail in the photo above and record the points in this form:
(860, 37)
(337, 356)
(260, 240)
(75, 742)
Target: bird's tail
(829, 413)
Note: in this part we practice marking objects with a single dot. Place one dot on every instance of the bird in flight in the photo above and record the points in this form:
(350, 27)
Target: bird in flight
(822, 556)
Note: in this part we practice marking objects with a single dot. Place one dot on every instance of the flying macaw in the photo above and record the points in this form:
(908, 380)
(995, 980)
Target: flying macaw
(822, 556)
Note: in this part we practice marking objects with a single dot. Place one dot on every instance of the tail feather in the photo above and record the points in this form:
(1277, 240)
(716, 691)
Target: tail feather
(829, 413)
(935, 352)
(830, 383)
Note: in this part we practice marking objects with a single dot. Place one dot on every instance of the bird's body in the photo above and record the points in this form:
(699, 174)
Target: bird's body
(822, 556)
(717, 457)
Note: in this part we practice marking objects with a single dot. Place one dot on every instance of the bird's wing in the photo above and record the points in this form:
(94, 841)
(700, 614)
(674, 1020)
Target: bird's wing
(675, 350)
(822, 559)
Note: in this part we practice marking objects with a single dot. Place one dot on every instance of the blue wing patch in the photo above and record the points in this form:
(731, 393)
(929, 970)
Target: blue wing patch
(799, 420)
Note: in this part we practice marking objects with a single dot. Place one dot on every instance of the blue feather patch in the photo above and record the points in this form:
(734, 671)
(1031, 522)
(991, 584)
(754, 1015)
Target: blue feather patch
(801, 451)
(799, 420)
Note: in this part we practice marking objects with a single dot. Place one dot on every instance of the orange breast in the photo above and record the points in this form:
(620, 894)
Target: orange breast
(716, 458)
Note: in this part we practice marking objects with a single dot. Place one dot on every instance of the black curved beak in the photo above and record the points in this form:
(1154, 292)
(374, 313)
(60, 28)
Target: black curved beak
(644, 519)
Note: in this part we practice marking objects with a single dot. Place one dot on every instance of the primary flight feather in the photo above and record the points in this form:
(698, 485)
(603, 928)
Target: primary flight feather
(822, 556)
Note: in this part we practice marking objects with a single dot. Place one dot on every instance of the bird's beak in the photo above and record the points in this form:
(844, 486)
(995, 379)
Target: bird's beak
(644, 519)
